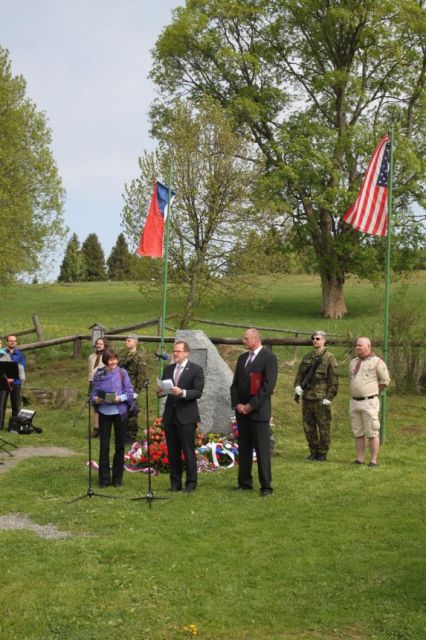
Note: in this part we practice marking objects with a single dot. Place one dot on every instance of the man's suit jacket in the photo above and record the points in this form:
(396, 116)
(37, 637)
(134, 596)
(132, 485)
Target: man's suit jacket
(266, 364)
(192, 380)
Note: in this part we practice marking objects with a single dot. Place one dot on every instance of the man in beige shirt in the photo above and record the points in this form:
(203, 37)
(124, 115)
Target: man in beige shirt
(368, 376)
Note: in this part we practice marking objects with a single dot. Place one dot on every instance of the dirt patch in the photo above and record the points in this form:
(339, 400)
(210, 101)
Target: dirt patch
(31, 452)
(20, 521)
(412, 430)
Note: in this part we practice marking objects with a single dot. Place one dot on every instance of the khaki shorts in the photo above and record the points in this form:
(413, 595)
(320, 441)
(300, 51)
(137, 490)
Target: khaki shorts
(364, 415)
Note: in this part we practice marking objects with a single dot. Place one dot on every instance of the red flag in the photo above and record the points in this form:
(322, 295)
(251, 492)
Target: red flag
(151, 242)
(369, 212)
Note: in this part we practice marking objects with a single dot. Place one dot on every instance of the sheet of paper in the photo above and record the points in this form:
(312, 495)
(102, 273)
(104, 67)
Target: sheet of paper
(165, 385)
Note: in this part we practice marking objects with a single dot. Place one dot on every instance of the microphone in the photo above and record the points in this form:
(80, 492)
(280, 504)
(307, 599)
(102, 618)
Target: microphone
(162, 356)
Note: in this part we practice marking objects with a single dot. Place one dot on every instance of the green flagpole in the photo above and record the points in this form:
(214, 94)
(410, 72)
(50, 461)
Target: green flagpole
(165, 275)
(387, 289)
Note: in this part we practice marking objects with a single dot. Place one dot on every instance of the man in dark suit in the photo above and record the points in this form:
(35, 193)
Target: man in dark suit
(181, 415)
(254, 382)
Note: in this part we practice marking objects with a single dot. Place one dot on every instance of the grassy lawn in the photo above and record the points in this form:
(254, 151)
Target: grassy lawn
(336, 553)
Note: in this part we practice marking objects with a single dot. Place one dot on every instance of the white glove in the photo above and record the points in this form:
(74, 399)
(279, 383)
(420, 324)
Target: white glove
(326, 402)
(135, 396)
(298, 390)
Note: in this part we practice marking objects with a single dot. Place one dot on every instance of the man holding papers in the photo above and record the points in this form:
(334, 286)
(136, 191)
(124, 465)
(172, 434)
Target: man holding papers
(183, 382)
(254, 382)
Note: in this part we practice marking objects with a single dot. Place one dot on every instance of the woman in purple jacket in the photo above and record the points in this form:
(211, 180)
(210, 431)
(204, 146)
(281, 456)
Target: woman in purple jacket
(112, 393)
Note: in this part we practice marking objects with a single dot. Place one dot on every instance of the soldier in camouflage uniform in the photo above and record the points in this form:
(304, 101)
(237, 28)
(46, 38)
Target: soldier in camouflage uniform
(134, 363)
(317, 383)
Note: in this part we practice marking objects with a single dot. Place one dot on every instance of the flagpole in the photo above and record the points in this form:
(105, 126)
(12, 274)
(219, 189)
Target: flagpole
(387, 287)
(165, 275)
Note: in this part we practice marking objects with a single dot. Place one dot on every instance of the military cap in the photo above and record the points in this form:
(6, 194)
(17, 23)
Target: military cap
(133, 336)
(319, 333)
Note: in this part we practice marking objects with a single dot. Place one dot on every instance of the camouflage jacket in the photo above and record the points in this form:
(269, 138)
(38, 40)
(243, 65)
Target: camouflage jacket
(326, 379)
(134, 363)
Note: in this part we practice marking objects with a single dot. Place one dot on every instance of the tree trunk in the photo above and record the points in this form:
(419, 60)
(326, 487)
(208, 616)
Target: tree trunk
(333, 299)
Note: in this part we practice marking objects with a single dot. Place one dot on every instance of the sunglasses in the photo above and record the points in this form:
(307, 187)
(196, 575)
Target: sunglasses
(318, 338)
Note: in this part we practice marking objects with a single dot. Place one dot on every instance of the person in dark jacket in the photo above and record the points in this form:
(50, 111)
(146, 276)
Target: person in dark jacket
(181, 415)
(112, 393)
(253, 384)
(14, 386)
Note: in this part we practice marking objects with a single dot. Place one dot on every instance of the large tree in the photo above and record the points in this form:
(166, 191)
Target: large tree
(73, 267)
(213, 205)
(119, 261)
(94, 258)
(31, 193)
(314, 84)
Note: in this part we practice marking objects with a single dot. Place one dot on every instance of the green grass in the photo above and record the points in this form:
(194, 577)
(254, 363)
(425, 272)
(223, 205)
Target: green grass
(336, 553)
(290, 302)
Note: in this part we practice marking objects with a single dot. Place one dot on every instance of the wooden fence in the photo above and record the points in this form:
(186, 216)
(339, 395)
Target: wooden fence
(118, 334)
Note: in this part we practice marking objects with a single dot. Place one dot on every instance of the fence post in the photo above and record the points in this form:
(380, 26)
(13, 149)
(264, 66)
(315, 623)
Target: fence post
(37, 327)
(77, 347)
(296, 346)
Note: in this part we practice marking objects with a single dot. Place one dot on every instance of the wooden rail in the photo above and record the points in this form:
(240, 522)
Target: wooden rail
(77, 341)
(36, 329)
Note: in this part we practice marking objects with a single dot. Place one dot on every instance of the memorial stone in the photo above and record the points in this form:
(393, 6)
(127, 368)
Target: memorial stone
(215, 403)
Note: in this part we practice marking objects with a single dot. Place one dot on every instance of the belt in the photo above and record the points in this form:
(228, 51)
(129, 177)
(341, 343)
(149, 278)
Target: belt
(367, 397)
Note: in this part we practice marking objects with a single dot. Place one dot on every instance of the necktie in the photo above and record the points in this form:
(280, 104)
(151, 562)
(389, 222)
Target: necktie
(177, 374)
(250, 358)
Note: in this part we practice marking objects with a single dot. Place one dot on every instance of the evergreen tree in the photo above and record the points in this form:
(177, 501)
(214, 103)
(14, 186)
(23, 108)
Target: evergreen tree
(95, 258)
(73, 267)
(119, 261)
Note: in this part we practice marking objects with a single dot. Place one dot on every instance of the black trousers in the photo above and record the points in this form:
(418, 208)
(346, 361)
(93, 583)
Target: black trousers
(105, 425)
(15, 401)
(180, 439)
(254, 435)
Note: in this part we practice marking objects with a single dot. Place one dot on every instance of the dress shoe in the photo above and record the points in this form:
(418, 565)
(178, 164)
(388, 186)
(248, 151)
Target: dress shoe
(174, 489)
(265, 493)
(117, 484)
(242, 488)
(189, 489)
(321, 457)
(311, 456)
(104, 485)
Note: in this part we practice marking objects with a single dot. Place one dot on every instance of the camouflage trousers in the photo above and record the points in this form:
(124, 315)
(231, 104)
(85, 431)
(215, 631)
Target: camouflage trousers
(316, 425)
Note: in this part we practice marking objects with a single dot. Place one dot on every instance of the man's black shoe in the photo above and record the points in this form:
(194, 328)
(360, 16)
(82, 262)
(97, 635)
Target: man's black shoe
(241, 488)
(265, 492)
(174, 489)
(189, 489)
(321, 457)
(311, 456)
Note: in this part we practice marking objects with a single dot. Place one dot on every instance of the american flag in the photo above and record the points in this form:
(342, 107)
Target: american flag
(369, 212)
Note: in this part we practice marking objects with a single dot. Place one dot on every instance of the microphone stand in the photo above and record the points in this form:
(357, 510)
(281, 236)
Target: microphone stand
(4, 443)
(149, 496)
(90, 493)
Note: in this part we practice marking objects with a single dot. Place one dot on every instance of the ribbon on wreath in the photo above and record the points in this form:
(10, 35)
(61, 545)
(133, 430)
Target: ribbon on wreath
(218, 448)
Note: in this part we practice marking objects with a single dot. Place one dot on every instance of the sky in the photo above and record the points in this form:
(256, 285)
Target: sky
(86, 64)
